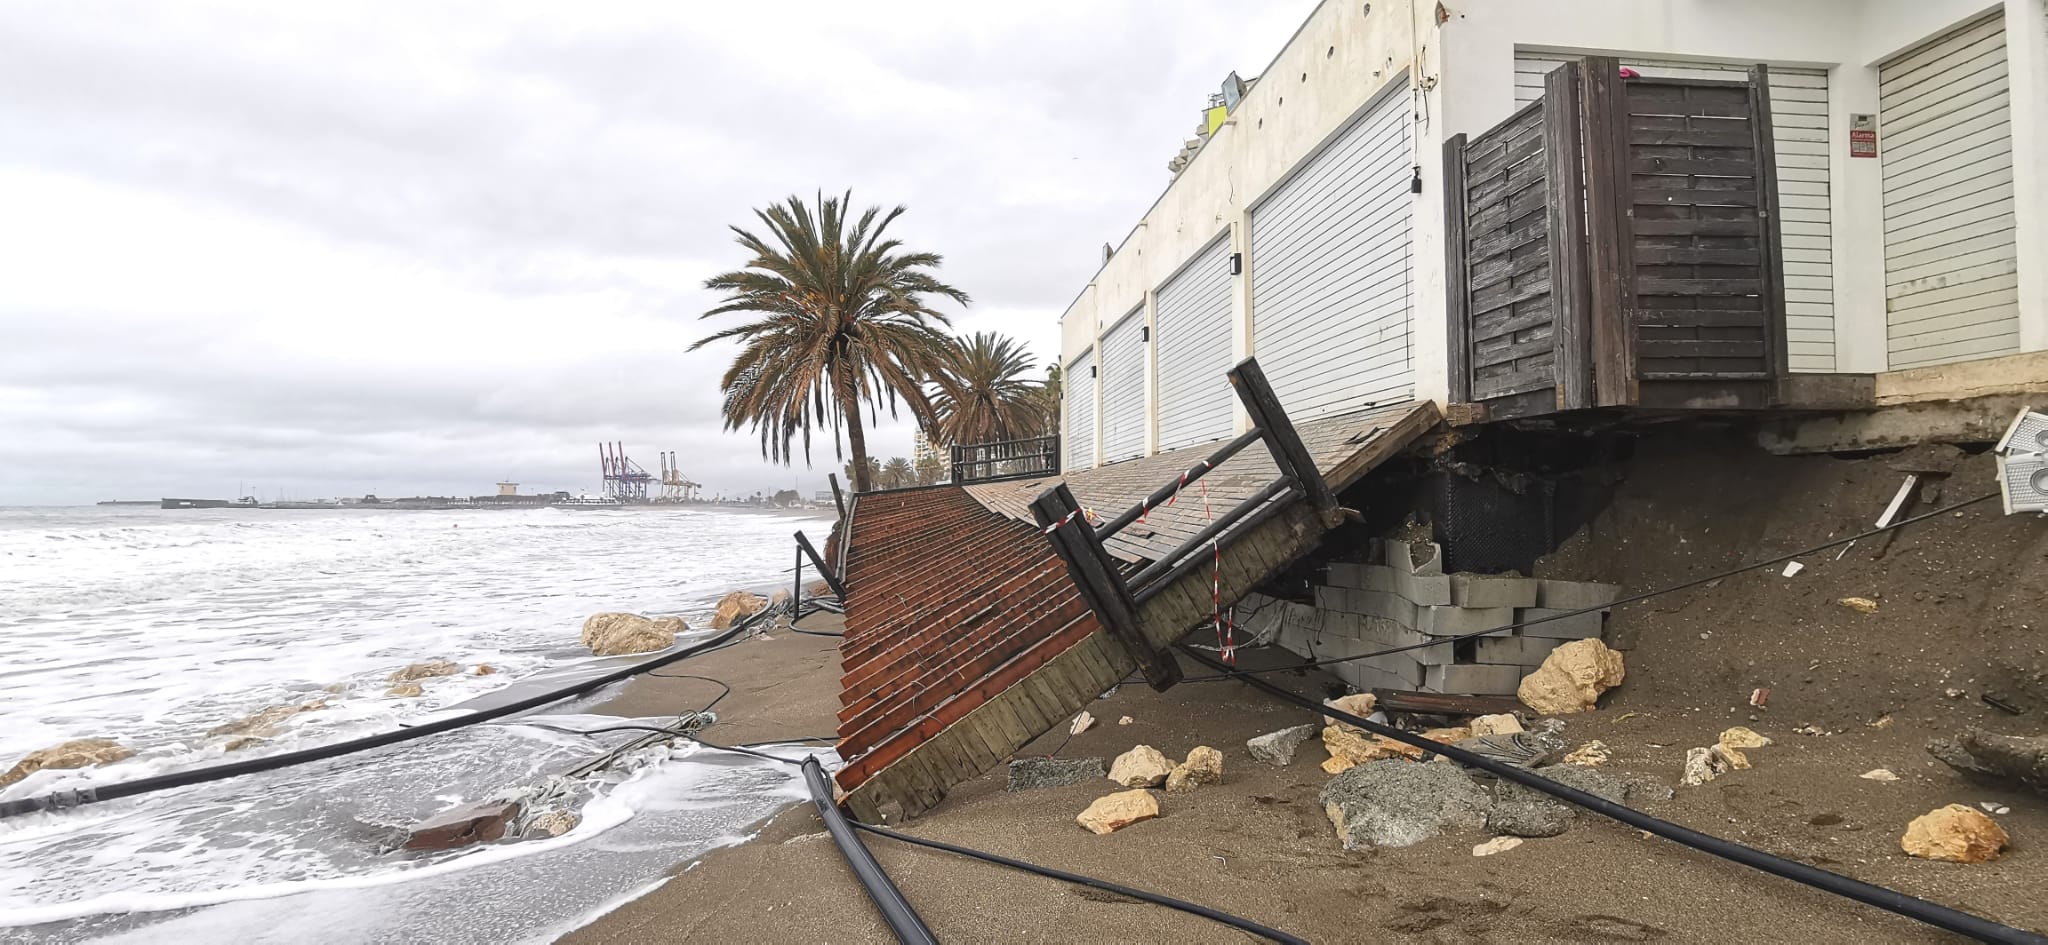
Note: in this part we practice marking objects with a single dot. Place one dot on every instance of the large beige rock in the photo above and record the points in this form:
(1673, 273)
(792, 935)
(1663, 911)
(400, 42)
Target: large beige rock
(1572, 678)
(1204, 766)
(251, 729)
(426, 670)
(735, 607)
(406, 690)
(1117, 811)
(79, 753)
(1141, 767)
(1954, 833)
(1359, 704)
(614, 634)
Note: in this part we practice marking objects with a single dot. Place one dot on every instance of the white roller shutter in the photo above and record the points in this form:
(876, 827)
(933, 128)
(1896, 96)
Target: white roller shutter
(1079, 395)
(1799, 132)
(1123, 389)
(1192, 314)
(1329, 249)
(1951, 267)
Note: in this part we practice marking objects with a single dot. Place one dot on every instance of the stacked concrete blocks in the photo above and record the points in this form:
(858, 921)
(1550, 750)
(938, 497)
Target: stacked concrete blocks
(1392, 600)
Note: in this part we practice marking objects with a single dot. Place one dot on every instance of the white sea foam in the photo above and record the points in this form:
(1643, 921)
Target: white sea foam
(151, 627)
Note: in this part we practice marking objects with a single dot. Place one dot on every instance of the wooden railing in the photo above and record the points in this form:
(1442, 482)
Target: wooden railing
(1006, 459)
(1616, 243)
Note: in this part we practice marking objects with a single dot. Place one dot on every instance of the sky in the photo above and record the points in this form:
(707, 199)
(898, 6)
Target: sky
(314, 250)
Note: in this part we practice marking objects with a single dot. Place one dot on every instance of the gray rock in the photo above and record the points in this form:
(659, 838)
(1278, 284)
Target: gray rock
(1277, 748)
(1526, 812)
(1398, 803)
(2011, 759)
(1027, 773)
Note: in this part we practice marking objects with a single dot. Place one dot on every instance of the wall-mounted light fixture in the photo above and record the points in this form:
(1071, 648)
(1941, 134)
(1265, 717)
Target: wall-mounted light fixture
(1415, 182)
(1236, 264)
(1144, 333)
(1091, 370)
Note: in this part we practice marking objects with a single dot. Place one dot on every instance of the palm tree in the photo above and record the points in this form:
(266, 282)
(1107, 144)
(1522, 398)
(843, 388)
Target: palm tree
(842, 321)
(1045, 402)
(896, 473)
(984, 396)
(874, 470)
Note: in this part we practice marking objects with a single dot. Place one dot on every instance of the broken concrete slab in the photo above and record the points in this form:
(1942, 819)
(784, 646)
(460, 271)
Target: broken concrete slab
(1520, 811)
(462, 825)
(1397, 803)
(1277, 748)
(1028, 773)
(2009, 759)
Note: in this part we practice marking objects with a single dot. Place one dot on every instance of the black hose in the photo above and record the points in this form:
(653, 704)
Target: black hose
(889, 901)
(1205, 912)
(1934, 914)
(1565, 615)
(177, 779)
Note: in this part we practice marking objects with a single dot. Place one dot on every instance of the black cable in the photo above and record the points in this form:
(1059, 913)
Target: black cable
(1563, 615)
(896, 911)
(725, 690)
(177, 779)
(1242, 924)
(1890, 900)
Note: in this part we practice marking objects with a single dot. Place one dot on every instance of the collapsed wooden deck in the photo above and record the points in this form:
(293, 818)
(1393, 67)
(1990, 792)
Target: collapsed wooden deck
(966, 638)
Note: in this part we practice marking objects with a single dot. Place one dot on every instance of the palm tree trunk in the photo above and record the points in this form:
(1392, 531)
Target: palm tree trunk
(856, 438)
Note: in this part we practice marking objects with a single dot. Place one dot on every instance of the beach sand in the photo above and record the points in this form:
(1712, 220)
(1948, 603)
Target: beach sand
(1259, 845)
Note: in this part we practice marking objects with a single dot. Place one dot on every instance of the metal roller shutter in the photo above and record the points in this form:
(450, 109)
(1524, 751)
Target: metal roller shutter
(1799, 131)
(1329, 270)
(1192, 312)
(1951, 266)
(1123, 389)
(1079, 395)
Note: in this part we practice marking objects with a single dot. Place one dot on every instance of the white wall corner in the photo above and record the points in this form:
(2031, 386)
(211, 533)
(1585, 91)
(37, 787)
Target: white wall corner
(1856, 226)
(1241, 340)
(2026, 38)
(1149, 342)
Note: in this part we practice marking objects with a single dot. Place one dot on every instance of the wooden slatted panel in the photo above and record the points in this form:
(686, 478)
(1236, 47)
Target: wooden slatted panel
(1123, 388)
(1329, 269)
(1700, 289)
(1192, 314)
(1799, 129)
(1078, 379)
(1508, 259)
(1951, 263)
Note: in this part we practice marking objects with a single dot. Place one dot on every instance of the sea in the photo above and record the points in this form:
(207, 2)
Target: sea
(151, 627)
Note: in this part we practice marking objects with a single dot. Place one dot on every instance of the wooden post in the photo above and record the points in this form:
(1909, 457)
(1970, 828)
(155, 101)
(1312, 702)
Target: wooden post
(1457, 276)
(838, 498)
(1569, 296)
(1608, 201)
(830, 578)
(1101, 587)
(1288, 452)
(1770, 229)
(796, 587)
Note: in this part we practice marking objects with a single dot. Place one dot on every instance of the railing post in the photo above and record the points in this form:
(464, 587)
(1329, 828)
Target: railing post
(1095, 576)
(838, 498)
(1770, 228)
(830, 579)
(1288, 452)
(1457, 279)
(796, 588)
(1605, 111)
(1564, 162)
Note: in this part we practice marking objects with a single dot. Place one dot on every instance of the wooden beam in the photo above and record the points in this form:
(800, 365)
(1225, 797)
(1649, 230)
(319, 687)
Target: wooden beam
(1570, 297)
(838, 498)
(831, 579)
(1605, 117)
(1285, 444)
(1457, 274)
(1773, 249)
(1095, 576)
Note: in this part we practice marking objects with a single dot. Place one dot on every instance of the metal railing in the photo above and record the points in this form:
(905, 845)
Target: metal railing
(1006, 459)
(1115, 600)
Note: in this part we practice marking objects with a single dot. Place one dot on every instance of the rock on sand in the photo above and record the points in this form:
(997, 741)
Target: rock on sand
(615, 634)
(1393, 803)
(735, 607)
(1116, 811)
(1141, 767)
(1203, 766)
(1027, 773)
(1954, 833)
(1277, 748)
(1572, 678)
(426, 670)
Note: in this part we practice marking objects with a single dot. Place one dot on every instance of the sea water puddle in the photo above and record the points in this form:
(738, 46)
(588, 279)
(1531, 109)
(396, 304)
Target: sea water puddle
(298, 855)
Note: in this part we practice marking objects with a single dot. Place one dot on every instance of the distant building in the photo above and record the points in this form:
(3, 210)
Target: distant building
(508, 488)
(921, 447)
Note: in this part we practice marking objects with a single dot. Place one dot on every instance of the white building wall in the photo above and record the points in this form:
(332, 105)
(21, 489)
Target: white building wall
(1343, 55)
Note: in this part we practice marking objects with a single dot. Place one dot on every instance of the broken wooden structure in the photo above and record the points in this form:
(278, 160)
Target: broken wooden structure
(981, 616)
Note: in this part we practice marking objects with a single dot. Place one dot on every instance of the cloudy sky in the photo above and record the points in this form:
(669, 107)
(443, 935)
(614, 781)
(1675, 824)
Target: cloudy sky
(403, 248)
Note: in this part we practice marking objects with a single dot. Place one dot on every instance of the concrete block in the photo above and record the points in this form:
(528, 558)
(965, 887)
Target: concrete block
(1380, 633)
(1515, 651)
(1493, 590)
(1573, 595)
(1570, 628)
(1474, 679)
(1360, 676)
(1370, 603)
(1401, 556)
(1458, 621)
(1364, 577)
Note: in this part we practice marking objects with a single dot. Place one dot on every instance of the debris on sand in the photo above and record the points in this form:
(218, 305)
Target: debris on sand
(1572, 678)
(1392, 803)
(1081, 723)
(1277, 748)
(1956, 834)
(1204, 765)
(1141, 767)
(1701, 765)
(1733, 741)
(1028, 773)
(1879, 774)
(1503, 723)
(1496, 845)
(1861, 605)
(2015, 759)
(1114, 812)
(1592, 754)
